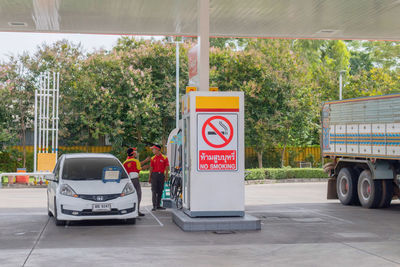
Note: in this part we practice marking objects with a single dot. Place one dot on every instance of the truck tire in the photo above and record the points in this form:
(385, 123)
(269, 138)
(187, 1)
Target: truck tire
(387, 193)
(369, 190)
(346, 186)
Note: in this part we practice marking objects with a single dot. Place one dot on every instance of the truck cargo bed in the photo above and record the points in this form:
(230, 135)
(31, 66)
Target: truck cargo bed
(363, 127)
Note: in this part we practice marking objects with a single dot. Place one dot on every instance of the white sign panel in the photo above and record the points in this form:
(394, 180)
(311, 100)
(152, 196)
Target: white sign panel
(217, 142)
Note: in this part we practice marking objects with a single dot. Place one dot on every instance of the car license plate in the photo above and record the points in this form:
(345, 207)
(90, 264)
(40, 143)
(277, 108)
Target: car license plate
(101, 207)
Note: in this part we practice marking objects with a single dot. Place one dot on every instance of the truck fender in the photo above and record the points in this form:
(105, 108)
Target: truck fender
(380, 170)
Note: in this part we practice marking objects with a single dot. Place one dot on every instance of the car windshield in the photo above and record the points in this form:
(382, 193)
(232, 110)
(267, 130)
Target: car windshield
(89, 168)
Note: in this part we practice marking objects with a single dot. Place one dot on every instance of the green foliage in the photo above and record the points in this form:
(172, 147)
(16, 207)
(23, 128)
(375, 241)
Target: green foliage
(144, 176)
(17, 85)
(375, 69)
(315, 162)
(360, 61)
(285, 173)
(256, 174)
(159, 59)
(384, 55)
(11, 159)
(128, 93)
(279, 101)
(325, 58)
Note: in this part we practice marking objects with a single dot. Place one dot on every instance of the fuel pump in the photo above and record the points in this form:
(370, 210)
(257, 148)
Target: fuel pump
(213, 154)
(175, 155)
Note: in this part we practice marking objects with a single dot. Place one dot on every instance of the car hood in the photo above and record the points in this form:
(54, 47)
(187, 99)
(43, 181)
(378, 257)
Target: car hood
(96, 187)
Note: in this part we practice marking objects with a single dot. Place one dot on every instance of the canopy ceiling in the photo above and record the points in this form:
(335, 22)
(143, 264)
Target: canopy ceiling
(336, 19)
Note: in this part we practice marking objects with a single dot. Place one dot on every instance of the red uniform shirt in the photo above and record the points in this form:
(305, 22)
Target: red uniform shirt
(132, 165)
(159, 163)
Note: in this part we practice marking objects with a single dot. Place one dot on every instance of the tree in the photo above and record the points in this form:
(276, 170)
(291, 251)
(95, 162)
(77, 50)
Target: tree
(115, 99)
(7, 131)
(374, 68)
(18, 87)
(325, 58)
(384, 55)
(293, 122)
(67, 58)
(377, 81)
(221, 43)
(271, 78)
(159, 58)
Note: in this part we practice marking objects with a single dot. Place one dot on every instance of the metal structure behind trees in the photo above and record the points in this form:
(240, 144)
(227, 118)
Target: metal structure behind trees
(46, 115)
(341, 73)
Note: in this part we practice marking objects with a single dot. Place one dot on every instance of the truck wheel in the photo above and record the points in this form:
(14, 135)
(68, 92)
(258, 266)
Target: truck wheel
(387, 193)
(369, 190)
(346, 186)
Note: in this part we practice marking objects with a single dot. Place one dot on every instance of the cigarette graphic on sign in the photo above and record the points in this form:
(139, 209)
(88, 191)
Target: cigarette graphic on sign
(225, 132)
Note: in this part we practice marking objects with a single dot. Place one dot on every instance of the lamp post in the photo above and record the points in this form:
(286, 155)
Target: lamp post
(176, 78)
(341, 84)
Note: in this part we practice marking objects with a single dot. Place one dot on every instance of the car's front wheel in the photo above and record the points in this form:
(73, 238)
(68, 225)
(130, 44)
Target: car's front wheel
(57, 221)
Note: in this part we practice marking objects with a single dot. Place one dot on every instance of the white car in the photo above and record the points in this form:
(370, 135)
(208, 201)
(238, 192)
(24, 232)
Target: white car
(90, 187)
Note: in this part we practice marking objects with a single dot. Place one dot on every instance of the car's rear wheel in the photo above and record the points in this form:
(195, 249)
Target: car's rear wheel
(57, 221)
(131, 221)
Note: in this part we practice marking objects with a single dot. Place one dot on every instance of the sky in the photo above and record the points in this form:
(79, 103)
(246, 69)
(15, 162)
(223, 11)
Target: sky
(13, 43)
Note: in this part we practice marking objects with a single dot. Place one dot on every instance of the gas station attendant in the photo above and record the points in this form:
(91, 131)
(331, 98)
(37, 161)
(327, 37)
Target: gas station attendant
(158, 175)
(133, 167)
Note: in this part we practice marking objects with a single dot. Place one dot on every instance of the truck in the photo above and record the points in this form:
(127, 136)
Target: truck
(361, 137)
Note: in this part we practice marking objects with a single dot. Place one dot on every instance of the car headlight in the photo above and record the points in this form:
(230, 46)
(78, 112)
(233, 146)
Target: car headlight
(66, 190)
(128, 189)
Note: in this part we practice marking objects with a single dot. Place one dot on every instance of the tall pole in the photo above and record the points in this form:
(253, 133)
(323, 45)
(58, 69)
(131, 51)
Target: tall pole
(40, 113)
(177, 86)
(35, 134)
(47, 112)
(53, 114)
(341, 84)
(43, 133)
(203, 25)
(57, 115)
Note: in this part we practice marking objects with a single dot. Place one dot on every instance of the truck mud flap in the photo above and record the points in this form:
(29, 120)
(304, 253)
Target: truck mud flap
(332, 192)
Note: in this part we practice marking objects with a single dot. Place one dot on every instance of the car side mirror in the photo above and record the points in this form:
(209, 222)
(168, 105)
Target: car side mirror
(50, 177)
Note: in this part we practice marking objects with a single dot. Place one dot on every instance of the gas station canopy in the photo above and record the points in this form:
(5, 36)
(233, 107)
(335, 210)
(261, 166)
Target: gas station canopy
(333, 19)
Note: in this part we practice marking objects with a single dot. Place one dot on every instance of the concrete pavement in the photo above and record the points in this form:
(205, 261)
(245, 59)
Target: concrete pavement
(299, 228)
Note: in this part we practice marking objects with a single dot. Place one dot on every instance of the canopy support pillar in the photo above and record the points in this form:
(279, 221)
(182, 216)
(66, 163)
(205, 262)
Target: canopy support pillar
(203, 39)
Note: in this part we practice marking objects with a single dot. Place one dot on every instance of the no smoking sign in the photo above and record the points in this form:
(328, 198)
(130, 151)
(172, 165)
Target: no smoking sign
(217, 142)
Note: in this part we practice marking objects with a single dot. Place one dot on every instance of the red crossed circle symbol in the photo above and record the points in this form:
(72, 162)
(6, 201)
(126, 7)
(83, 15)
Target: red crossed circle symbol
(218, 132)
